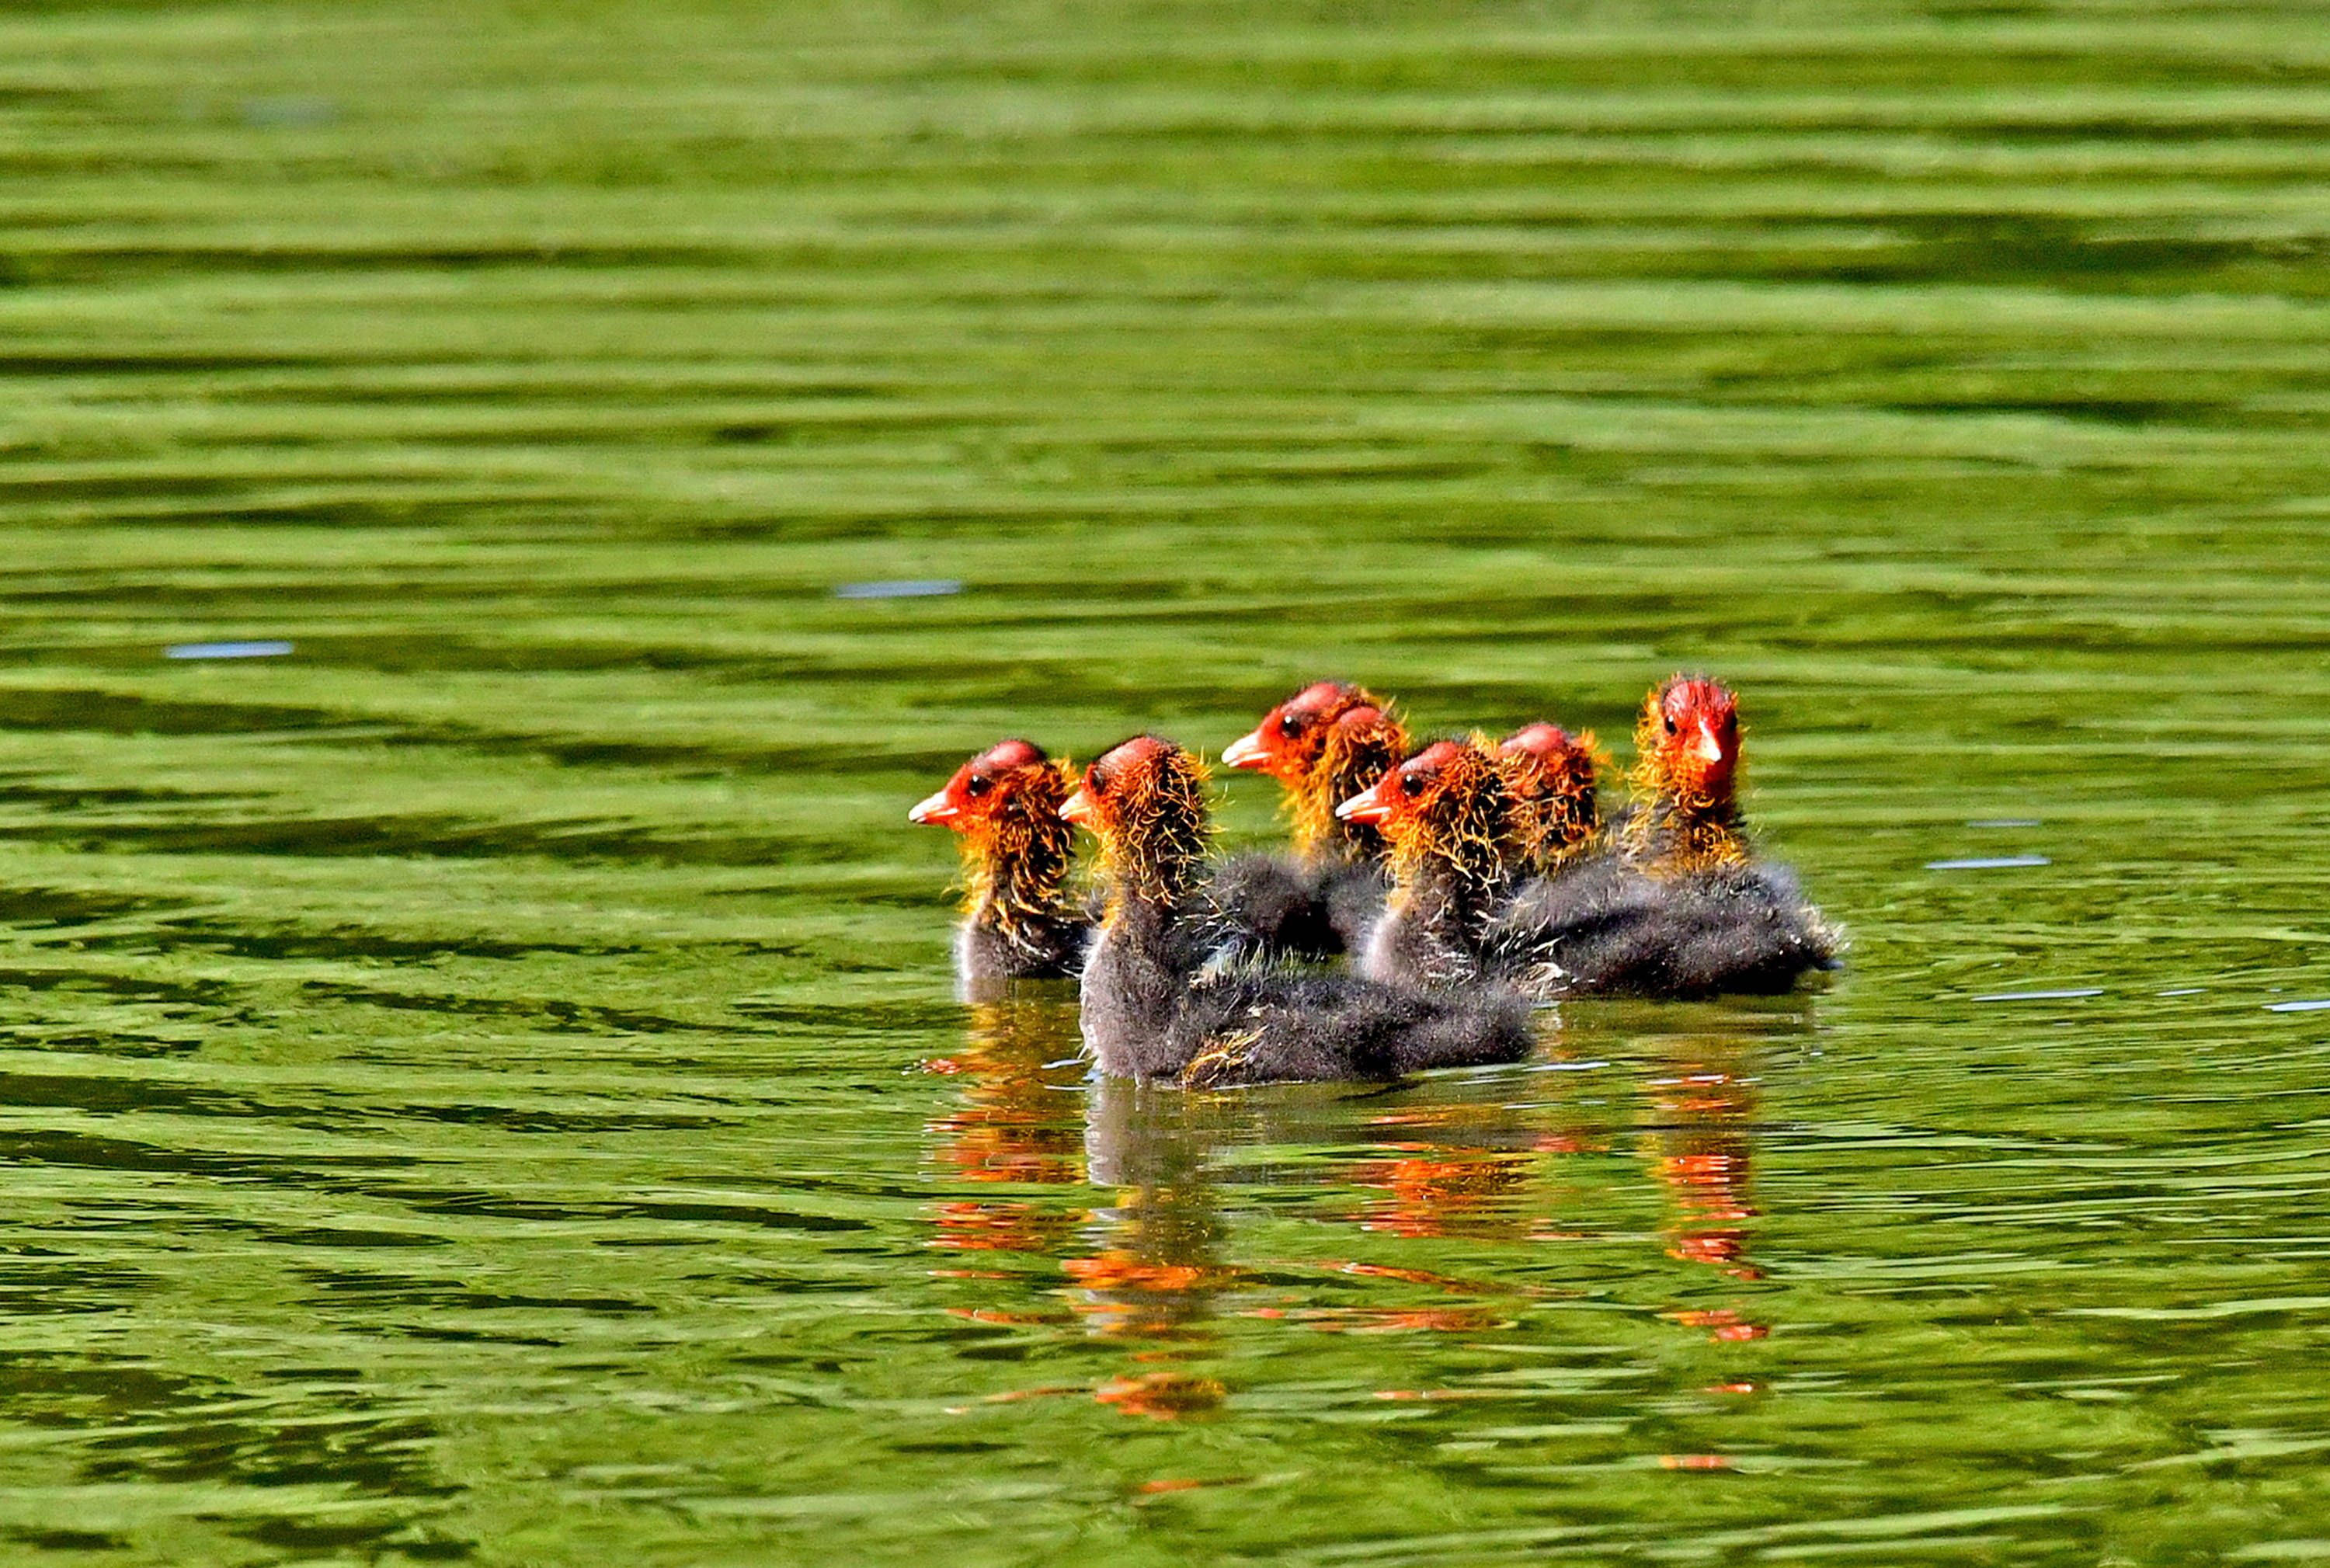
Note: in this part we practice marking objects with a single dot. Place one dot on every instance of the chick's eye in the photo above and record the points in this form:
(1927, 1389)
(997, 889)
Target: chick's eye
(1671, 724)
(1410, 785)
(1290, 725)
(978, 786)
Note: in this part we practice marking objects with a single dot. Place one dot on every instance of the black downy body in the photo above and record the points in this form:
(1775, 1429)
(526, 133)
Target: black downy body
(1325, 743)
(1019, 921)
(1603, 921)
(1150, 1009)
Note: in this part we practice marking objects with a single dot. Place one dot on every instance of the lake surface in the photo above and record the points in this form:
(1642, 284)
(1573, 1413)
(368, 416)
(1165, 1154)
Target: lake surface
(484, 1084)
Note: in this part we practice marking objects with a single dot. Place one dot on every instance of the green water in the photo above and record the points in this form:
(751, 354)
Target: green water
(485, 1085)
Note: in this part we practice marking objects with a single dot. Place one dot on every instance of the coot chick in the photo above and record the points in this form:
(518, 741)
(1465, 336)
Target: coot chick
(1686, 778)
(1018, 920)
(1149, 1011)
(1458, 841)
(1551, 776)
(1684, 908)
(1324, 744)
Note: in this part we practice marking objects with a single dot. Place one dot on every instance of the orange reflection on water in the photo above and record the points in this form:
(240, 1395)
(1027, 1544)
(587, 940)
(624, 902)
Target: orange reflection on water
(1001, 1227)
(1701, 1159)
(1163, 1396)
(1458, 1171)
(1697, 1462)
(1722, 1323)
(1160, 1280)
(1014, 1124)
(1699, 1148)
(1414, 1276)
(1444, 1191)
(1121, 1272)
(1007, 1320)
(1387, 1319)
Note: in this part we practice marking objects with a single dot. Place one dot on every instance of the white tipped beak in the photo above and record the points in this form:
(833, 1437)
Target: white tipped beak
(1707, 747)
(937, 809)
(1247, 751)
(1367, 808)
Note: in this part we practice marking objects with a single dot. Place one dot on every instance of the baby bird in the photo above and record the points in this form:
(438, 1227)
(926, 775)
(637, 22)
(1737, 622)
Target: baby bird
(1324, 744)
(1018, 921)
(1687, 776)
(1550, 774)
(1289, 745)
(1458, 842)
(1147, 1013)
(1684, 909)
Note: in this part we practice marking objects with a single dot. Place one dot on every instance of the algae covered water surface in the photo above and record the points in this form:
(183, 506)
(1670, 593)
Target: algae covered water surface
(484, 1082)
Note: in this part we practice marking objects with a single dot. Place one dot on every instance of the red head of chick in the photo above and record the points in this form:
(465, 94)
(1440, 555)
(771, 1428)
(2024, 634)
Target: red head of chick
(985, 789)
(1287, 742)
(1688, 773)
(1145, 800)
(1006, 804)
(1450, 819)
(1363, 745)
(1305, 744)
(1550, 773)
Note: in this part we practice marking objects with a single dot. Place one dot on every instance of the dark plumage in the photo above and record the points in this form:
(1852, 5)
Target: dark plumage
(1273, 907)
(1675, 906)
(1149, 1011)
(1325, 743)
(1683, 907)
(1606, 929)
(1458, 842)
(1261, 1028)
(1017, 922)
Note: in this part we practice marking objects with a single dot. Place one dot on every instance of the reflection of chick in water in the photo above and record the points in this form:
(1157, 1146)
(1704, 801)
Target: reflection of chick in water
(1459, 1169)
(1155, 1273)
(1703, 1107)
(1017, 1122)
(1158, 1276)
